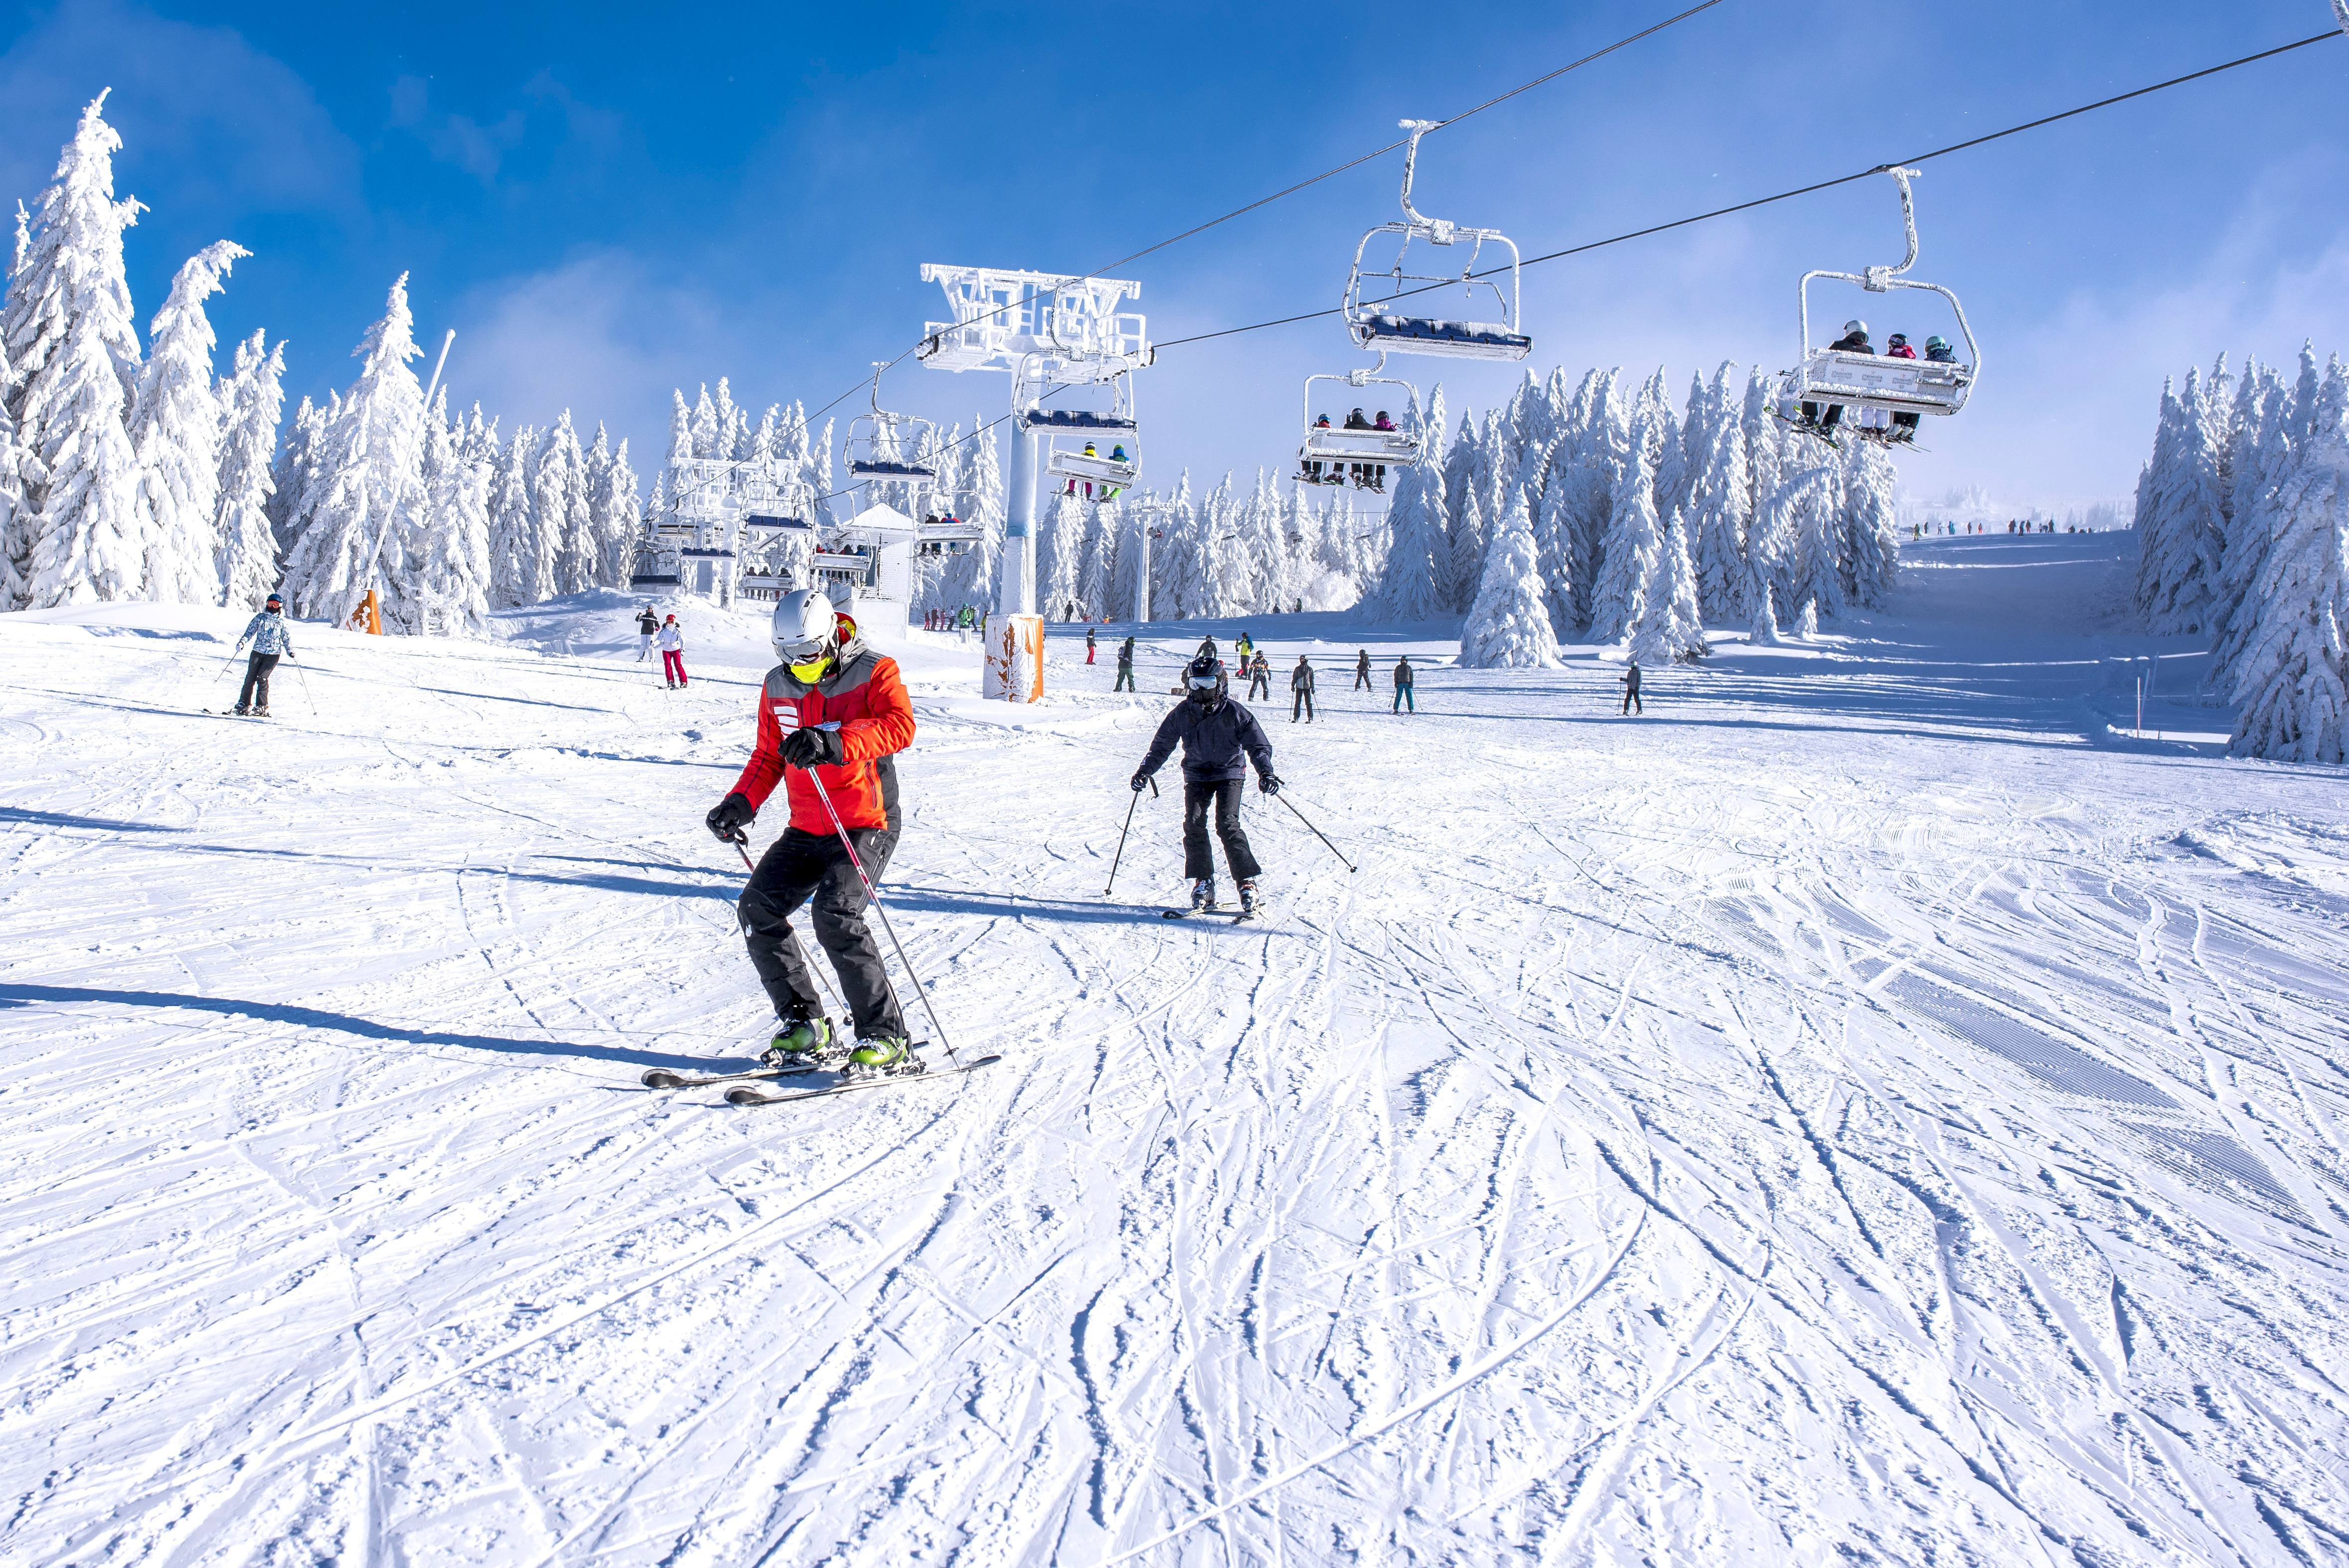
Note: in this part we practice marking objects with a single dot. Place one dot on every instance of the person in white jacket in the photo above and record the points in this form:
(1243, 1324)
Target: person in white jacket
(672, 646)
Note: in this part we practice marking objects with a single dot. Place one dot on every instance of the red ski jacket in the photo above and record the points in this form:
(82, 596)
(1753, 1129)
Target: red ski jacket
(866, 696)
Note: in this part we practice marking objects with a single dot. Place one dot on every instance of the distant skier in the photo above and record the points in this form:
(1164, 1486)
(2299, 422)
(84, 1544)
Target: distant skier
(1631, 690)
(1207, 648)
(1300, 690)
(1089, 645)
(672, 647)
(834, 706)
(1403, 694)
(647, 628)
(1219, 739)
(1259, 670)
(270, 637)
(1124, 667)
(1363, 670)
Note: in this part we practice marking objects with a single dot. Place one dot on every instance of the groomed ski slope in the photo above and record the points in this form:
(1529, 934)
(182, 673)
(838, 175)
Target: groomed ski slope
(1865, 1111)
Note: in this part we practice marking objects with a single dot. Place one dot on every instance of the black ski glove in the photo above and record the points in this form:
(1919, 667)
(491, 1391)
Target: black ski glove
(1269, 782)
(731, 815)
(811, 748)
(1141, 782)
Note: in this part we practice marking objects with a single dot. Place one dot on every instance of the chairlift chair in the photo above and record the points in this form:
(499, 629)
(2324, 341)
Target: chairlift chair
(1386, 325)
(1331, 454)
(884, 448)
(1101, 475)
(1875, 382)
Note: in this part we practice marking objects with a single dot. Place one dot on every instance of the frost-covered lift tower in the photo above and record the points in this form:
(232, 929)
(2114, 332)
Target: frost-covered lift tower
(1044, 331)
(1875, 381)
(1387, 323)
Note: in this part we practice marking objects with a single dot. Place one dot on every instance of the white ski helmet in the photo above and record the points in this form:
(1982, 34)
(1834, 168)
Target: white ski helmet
(805, 626)
(1855, 325)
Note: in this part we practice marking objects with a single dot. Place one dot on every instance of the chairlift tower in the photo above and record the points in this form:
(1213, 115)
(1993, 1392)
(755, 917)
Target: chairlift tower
(1045, 331)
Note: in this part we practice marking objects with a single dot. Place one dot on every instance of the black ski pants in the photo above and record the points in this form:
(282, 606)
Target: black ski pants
(256, 680)
(1631, 700)
(812, 869)
(1198, 855)
(1301, 701)
(1362, 679)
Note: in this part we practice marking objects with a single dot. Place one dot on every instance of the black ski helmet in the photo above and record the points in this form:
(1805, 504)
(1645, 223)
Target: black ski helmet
(1205, 680)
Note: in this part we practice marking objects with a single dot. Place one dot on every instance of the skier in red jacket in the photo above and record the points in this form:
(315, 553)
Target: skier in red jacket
(832, 711)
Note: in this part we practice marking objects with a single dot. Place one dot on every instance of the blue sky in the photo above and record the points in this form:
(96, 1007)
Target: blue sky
(610, 202)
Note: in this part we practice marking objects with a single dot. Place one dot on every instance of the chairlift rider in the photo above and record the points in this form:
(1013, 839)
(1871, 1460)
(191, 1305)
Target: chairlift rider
(1853, 341)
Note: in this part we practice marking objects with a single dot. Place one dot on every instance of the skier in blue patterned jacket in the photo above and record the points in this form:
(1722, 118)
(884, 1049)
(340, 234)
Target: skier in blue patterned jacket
(271, 638)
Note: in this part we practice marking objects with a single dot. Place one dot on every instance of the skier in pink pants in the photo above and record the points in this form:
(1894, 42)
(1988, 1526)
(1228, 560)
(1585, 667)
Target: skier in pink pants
(672, 647)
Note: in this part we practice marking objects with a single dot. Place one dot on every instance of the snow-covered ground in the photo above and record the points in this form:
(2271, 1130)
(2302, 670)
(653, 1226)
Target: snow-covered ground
(1867, 1110)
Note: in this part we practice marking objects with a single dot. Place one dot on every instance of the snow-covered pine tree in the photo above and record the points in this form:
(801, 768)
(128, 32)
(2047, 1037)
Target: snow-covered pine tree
(513, 529)
(1651, 414)
(1671, 627)
(175, 427)
(1634, 542)
(1464, 563)
(566, 545)
(1815, 577)
(618, 514)
(2152, 480)
(73, 349)
(369, 468)
(1871, 525)
(1056, 566)
(2180, 580)
(252, 396)
(1508, 625)
(2266, 434)
(680, 440)
(1721, 507)
(1765, 615)
(1416, 543)
(2292, 678)
(1807, 624)
(706, 431)
(290, 475)
(731, 432)
(452, 555)
(1768, 457)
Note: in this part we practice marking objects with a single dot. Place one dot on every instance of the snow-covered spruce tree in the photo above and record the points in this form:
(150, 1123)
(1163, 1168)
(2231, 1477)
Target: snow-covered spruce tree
(618, 513)
(514, 530)
(1508, 625)
(252, 396)
(1634, 542)
(175, 427)
(12, 459)
(2269, 430)
(72, 344)
(1471, 523)
(680, 439)
(1814, 575)
(567, 538)
(1056, 567)
(1871, 545)
(452, 571)
(1765, 616)
(1408, 589)
(1659, 438)
(1671, 627)
(1721, 502)
(2292, 679)
(2146, 523)
(1807, 624)
(292, 475)
(2178, 582)
(370, 469)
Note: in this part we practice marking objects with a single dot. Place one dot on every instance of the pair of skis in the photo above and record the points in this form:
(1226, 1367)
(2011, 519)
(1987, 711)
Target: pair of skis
(1242, 918)
(744, 1093)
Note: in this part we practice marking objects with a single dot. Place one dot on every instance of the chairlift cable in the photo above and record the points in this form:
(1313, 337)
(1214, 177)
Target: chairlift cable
(1798, 190)
(1315, 180)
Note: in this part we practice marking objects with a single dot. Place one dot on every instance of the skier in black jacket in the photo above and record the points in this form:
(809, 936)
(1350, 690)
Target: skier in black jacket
(1219, 739)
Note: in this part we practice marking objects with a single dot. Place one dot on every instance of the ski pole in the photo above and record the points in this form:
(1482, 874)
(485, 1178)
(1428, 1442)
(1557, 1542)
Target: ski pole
(1317, 834)
(1130, 805)
(874, 895)
(304, 677)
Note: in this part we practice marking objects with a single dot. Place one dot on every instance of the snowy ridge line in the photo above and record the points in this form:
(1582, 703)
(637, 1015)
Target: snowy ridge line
(1361, 1435)
(383, 1403)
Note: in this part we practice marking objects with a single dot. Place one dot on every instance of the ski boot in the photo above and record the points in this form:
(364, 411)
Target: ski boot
(1203, 895)
(798, 1044)
(878, 1056)
(242, 712)
(261, 713)
(1250, 907)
